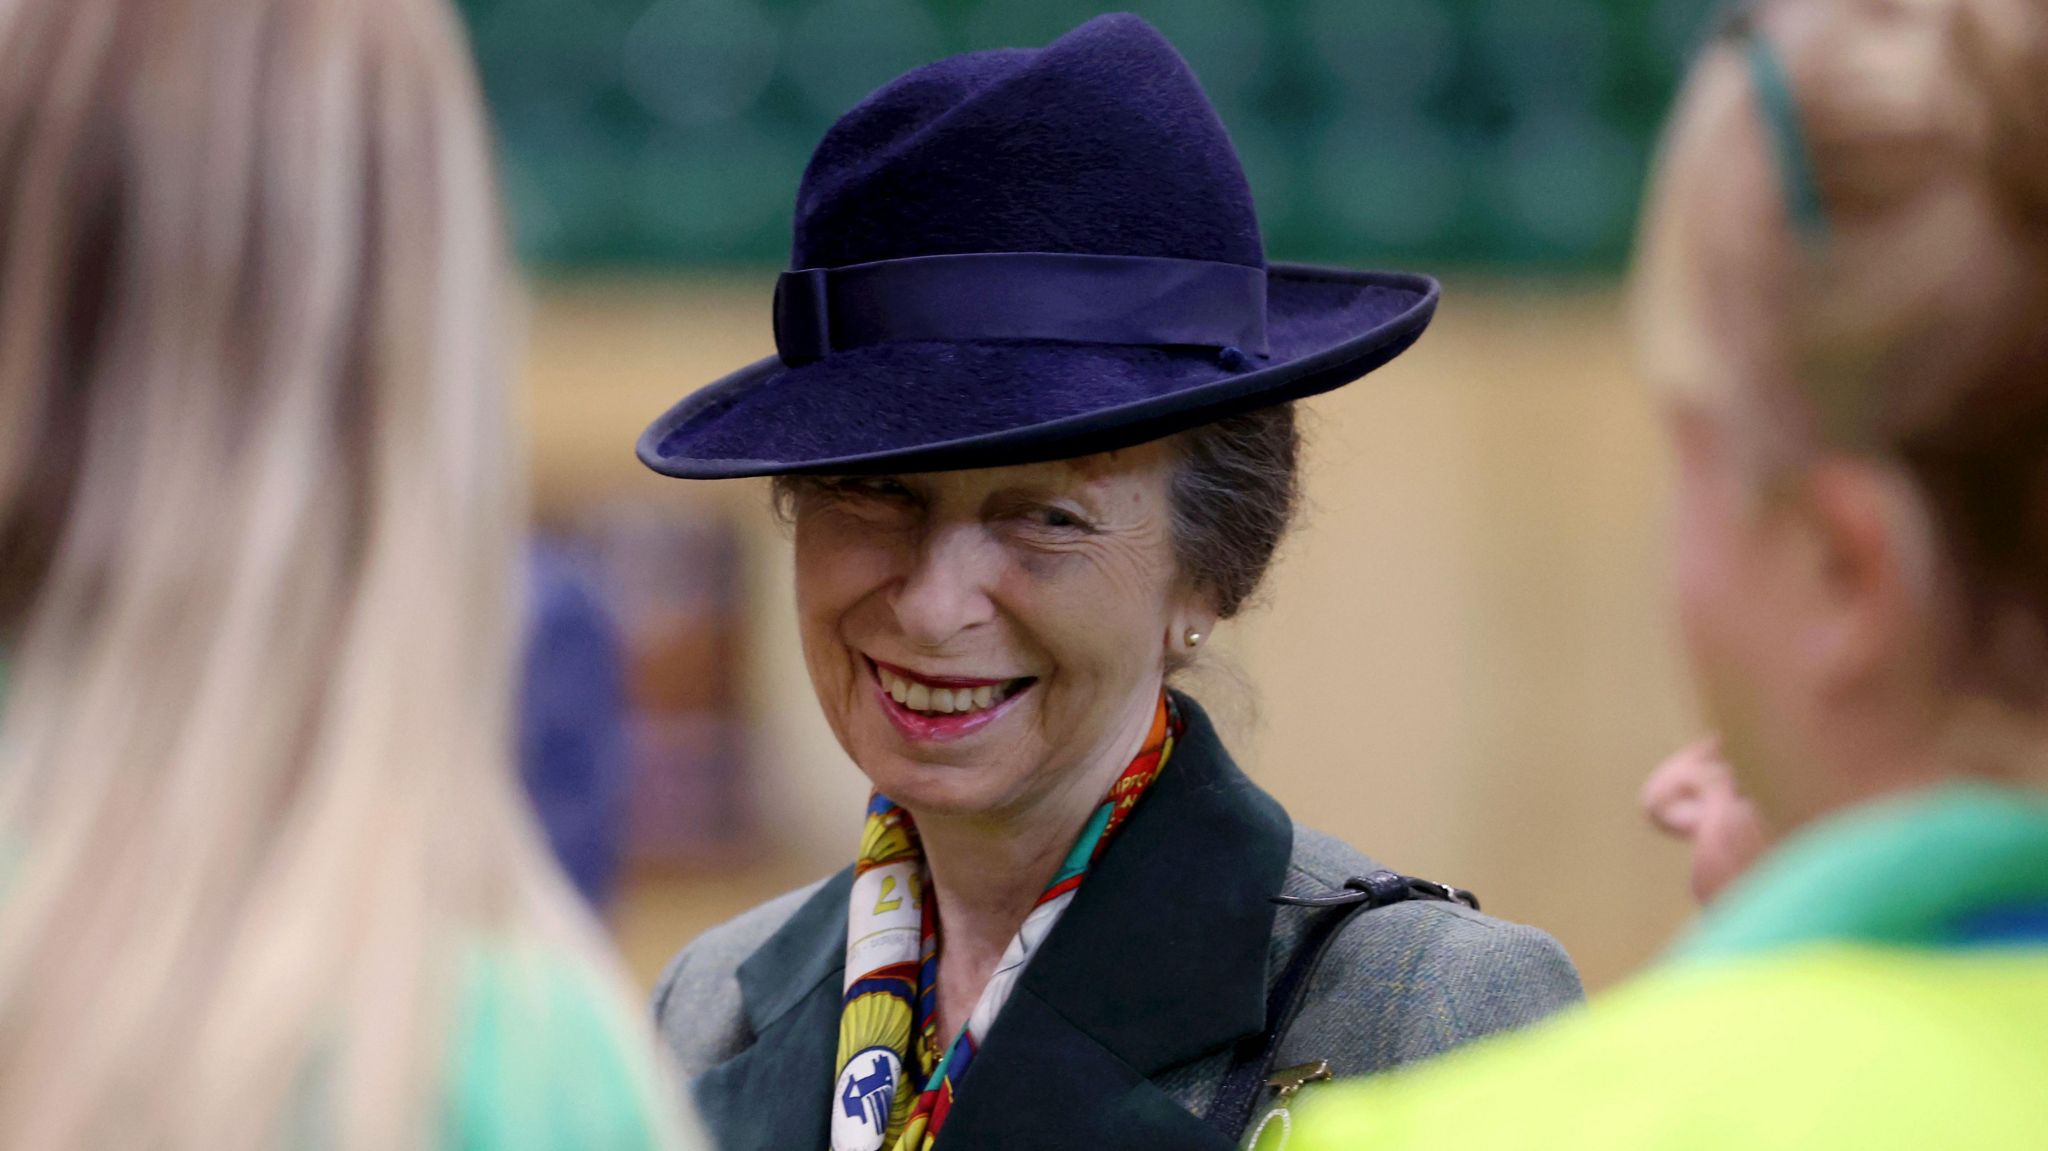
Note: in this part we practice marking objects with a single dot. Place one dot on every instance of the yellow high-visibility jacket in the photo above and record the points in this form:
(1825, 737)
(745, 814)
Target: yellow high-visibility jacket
(1879, 982)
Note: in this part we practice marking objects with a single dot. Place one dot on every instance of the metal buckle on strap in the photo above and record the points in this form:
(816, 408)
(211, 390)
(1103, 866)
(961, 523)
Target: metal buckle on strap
(1380, 889)
(1446, 892)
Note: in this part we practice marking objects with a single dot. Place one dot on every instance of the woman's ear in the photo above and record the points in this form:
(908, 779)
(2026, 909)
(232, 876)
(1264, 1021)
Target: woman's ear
(1869, 568)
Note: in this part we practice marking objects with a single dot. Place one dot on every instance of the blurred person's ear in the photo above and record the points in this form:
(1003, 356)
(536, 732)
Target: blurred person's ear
(1864, 593)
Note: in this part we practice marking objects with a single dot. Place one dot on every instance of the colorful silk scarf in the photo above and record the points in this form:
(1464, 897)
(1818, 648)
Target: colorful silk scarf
(892, 964)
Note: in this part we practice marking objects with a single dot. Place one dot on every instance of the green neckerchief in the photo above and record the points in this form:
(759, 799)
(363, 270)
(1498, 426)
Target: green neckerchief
(1904, 871)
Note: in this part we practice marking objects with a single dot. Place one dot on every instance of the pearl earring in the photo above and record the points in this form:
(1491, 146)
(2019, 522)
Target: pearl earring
(1193, 638)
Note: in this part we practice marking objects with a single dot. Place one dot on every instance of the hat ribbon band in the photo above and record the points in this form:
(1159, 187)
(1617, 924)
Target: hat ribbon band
(1056, 296)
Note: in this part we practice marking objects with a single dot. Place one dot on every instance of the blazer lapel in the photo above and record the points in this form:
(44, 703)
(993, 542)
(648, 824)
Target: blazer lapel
(1042, 1081)
(775, 1095)
(1160, 960)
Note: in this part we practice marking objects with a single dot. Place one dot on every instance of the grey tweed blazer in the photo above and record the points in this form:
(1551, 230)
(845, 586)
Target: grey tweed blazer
(1120, 1031)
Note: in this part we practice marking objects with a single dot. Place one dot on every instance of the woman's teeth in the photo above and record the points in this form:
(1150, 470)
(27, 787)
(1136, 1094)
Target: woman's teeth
(944, 701)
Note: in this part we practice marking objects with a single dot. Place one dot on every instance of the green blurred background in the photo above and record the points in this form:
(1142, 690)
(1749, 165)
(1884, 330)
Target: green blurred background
(1463, 661)
(1502, 133)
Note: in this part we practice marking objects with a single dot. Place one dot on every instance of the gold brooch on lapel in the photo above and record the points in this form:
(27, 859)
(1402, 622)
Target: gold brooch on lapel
(1286, 1084)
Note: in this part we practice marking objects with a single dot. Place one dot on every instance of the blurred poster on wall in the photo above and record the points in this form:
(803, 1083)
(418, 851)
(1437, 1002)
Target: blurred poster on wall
(572, 718)
(676, 586)
(669, 591)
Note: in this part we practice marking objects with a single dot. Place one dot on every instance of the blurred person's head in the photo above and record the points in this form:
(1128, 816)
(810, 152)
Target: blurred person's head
(257, 516)
(1856, 377)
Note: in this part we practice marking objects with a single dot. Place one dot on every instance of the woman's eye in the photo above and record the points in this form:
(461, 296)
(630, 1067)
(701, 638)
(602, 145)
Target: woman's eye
(1058, 518)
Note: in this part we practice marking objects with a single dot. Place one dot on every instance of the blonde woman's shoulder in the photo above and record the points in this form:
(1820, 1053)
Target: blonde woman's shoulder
(547, 1057)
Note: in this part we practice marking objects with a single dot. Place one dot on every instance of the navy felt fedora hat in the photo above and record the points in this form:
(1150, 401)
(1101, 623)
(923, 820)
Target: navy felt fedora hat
(1021, 255)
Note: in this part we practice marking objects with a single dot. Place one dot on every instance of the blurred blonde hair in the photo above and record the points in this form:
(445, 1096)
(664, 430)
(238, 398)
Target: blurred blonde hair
(259, 527)
(1914, 329)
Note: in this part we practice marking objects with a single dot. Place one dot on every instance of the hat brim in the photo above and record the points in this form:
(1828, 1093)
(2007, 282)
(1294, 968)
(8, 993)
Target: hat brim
(919, 407)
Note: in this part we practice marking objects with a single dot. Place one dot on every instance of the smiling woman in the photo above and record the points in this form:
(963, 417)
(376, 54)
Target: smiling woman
(1031, 425)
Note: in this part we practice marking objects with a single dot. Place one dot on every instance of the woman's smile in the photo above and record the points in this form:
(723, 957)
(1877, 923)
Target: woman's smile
(940, 708)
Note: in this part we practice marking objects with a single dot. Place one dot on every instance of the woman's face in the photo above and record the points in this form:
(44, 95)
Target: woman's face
(983, 640)
(1708, 331)
(1731, 600)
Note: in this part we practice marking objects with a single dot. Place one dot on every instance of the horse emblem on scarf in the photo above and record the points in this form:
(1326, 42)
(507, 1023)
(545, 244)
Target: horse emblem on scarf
(866, 1094)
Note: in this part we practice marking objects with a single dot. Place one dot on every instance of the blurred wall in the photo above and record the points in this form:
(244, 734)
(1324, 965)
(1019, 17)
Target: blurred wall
(1463, 663)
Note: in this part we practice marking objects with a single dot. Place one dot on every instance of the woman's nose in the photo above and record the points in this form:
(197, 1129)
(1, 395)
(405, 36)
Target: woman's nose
(946, 590)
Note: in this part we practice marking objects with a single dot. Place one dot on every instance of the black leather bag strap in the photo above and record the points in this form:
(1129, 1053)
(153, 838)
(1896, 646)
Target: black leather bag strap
(1251, 1064)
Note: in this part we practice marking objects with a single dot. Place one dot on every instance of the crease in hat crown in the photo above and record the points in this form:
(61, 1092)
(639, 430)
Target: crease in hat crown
(1101, 142)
